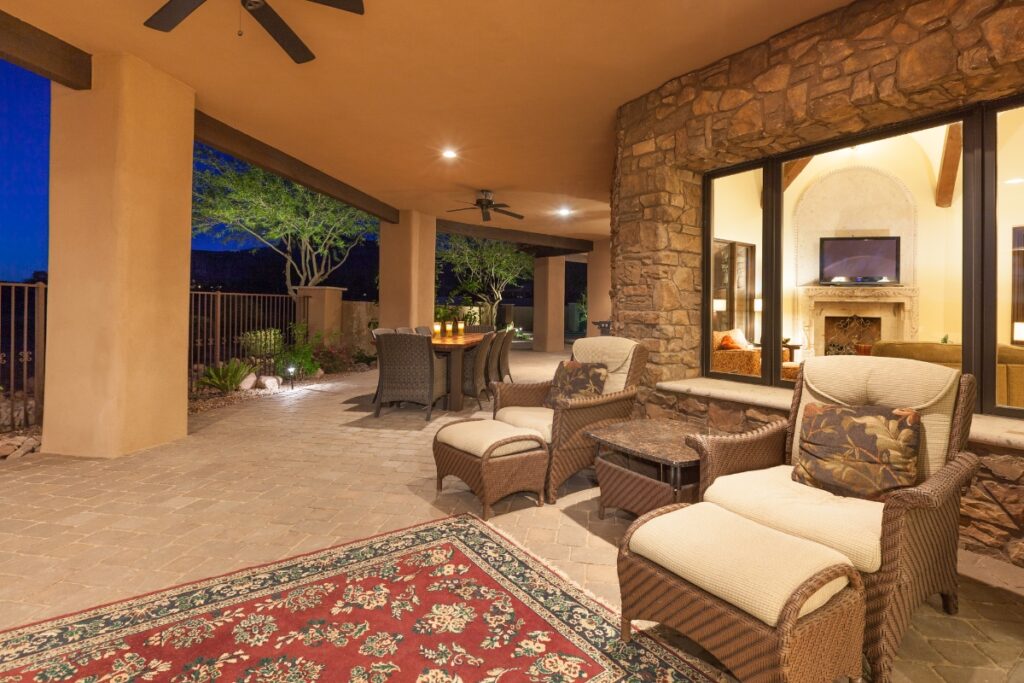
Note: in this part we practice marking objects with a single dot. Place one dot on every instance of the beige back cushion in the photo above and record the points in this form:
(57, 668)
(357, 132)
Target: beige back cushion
(928, 388)
(615, 353)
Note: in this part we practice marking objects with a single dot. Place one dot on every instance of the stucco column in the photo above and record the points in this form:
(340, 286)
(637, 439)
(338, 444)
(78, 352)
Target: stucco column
(599, 285)
(549, 303)
(322, 308)
(120, 211)
(407, 270)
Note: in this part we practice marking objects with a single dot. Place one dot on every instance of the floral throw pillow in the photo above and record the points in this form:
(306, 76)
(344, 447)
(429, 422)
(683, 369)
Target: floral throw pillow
(576, 380)
(861, 451)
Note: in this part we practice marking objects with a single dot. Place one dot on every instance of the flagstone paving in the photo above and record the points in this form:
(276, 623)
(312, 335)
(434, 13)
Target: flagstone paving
(267, 479)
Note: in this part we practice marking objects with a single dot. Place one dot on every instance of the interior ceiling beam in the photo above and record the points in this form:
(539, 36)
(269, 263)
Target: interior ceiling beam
(537, 244)
(46, 55)
(223, 137)
(792, 169)
(949, 167)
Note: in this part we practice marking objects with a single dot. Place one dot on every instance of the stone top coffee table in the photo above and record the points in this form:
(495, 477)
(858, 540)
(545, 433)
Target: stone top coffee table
(645, 464)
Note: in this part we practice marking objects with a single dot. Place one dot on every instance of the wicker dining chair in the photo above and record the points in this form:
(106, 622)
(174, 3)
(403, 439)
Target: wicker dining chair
(381, 330)
(564, 427)
(504, 369)
(410, 372)
(424, 331)
(493, 364)
(905, 547)
(474, 369)
(405, 330)
(480, 328)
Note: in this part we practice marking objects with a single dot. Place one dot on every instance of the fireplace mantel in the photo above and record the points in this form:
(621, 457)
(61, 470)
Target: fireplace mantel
(896, 306)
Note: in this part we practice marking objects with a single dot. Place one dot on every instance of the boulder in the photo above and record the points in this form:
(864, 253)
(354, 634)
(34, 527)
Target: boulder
(269, 382)
(360, 367)
(319, 373)
(29, 445)
(249, 382)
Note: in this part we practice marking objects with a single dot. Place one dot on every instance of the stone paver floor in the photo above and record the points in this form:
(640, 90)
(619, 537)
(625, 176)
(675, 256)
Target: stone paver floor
(264, 480)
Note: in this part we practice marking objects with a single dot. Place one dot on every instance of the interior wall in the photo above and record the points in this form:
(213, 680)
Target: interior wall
(936, 245)
(1009, 212)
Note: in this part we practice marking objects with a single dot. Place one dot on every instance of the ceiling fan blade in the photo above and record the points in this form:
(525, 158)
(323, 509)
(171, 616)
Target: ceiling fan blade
(354, 6)
(486, 213)
(499, 206)
(468, 208)
(509, 213)
(172, 13)
(289, 41)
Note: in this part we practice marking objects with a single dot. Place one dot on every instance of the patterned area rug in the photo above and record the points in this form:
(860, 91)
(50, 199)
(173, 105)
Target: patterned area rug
(446, 601)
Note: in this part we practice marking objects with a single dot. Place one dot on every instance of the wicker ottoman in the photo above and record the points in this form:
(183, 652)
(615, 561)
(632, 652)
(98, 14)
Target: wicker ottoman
(769, 606)
(493, 458)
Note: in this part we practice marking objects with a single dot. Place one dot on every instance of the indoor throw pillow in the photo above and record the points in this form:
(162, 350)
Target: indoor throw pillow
(576, 380)
(861, 451)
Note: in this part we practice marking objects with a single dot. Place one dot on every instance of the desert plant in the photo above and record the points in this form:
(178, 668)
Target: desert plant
(262, 343)
(360, 356)
(298, 354)
(226, 377)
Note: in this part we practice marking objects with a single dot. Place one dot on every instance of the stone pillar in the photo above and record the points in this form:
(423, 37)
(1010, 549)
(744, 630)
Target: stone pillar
(120, 239)
(407, 270)
(599, 285)
(549, 303)
(322, 306)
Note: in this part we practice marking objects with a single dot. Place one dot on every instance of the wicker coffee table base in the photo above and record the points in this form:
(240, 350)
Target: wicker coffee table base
(493, 478)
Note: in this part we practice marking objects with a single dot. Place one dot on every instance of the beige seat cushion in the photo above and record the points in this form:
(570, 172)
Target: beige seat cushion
(928, 388)
(615, 353)
(477, 436)
(750, 566)
(851, 526)
(539, 419)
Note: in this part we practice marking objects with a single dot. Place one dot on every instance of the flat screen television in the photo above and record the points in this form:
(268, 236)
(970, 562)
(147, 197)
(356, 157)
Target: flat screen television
(860, 261)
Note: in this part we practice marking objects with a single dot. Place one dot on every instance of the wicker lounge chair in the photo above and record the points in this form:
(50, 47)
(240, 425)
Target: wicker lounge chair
(904, 548)
(493, 358)
(564, 427)
(474, 369)
(503, 367)
(410, 371)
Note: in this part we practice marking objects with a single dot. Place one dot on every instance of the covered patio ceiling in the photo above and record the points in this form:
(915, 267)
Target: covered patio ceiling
(526, 92)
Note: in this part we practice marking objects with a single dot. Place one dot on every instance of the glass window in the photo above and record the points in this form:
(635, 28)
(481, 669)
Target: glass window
(736, 273)
(872, 244)
(1009, 334)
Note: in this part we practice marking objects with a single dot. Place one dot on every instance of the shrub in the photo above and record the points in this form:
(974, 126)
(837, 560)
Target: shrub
(360, 356)
(226, 377)
(262, 343)
(298, 355)
(330, 357)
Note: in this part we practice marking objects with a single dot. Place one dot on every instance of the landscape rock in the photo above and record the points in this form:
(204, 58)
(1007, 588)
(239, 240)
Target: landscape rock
(16, 446)
(268, 382)
(319, 373)
(360, 367)
(249, 382)
(29, 445)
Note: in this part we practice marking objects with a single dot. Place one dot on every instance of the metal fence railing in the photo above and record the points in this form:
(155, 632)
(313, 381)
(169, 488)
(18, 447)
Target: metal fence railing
(22, 354)
(223, 326)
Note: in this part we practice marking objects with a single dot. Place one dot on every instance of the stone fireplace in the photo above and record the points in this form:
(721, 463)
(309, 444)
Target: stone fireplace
(893, 312)
(843, 335)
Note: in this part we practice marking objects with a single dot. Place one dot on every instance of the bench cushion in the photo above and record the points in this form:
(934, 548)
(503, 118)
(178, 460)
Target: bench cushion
(476, 436)
(540, 419)
(750, 566)
(852, 526)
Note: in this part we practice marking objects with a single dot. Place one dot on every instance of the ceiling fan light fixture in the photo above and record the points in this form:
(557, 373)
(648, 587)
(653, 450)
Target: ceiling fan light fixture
(564, 212)
(450, 153)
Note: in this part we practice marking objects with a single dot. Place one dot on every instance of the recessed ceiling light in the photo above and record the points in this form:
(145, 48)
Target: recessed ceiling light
(1015, 181)
(449, 153)
(564, 211)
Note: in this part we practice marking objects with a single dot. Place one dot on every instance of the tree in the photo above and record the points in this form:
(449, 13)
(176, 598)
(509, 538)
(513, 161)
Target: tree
(238, 203)
(485, 268)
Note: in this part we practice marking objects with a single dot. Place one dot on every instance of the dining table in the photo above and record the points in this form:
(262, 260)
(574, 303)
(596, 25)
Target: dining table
(455, 347)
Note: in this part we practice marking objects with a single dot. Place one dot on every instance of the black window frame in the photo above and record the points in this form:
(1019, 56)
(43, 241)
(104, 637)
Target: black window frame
(978, 166)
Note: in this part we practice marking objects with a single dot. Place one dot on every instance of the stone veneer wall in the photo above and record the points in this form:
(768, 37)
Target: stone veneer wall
(872, 63)
(991, 511)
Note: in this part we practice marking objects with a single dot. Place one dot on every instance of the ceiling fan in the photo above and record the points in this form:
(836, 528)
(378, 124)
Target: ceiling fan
(175, 11)
(485, 202)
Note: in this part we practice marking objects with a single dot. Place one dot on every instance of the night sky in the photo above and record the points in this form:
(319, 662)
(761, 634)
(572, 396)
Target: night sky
(24, 172)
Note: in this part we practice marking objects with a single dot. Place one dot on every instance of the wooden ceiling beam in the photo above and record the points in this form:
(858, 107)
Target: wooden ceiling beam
(792, 169)
(949, 167)
(537, 243)
(38, 51)
(223, 137)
